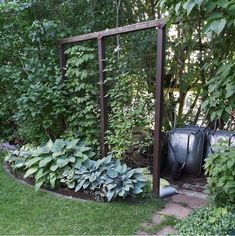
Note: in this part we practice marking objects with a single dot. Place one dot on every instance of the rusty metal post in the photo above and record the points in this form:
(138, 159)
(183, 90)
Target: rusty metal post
(62, 61)
(103, 104)
(158, 109)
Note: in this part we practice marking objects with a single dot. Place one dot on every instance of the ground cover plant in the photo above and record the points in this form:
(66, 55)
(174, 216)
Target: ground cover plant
(25, 211)
(209, 220)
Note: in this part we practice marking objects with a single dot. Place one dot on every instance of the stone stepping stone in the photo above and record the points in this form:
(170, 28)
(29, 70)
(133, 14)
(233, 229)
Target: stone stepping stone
(192, 202)
(173, 209)
(157, 219)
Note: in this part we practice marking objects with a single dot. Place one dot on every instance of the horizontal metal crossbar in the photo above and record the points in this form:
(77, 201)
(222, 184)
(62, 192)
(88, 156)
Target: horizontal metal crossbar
(115, 31)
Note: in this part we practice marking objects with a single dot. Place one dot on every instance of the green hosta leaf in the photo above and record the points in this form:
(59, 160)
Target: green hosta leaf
(39, 174)
(79, 186)
(72, 159)
(45, 161)
(90, 154)
(78, 164)
(110, 195)
(58, 153)
(19, 164)
(92, 178)
(31, 171)
(86, 184)
(85, 149)
(130, 173)
(32, 161)
(111, 186)
(62, 161)
(58, 145)
(54, 167)
(44, 150)
(39, 184)
(71, 185)
(78, 153)
(108, 159)
(52, 181)
(140, 184)
(124, 168)
(137, 190)
(112, 173)
(122, 193)
(140, 177)
(72, 144)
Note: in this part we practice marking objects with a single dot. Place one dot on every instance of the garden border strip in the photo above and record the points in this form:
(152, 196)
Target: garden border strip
(60, 192)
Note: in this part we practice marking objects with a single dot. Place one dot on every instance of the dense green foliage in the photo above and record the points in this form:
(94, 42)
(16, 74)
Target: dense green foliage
(47, 162)
(69, 164)
(36, 105)
(207, 221)
(109, 178)
(24, 211)
(220, 173)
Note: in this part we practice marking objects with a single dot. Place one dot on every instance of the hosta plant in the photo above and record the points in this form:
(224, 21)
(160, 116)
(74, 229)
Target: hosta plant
(108, 178)
(17, 158)
(47, 162)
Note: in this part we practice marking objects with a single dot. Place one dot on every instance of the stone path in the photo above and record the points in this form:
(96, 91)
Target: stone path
(178, 206)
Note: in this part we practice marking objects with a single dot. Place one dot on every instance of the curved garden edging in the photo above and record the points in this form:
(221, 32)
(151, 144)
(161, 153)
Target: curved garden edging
(60, 192)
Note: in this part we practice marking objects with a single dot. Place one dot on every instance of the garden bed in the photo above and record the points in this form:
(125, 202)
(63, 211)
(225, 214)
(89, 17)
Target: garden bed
(60, 191)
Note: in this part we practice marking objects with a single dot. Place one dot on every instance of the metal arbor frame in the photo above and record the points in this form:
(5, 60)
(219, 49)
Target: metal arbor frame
(100, 37)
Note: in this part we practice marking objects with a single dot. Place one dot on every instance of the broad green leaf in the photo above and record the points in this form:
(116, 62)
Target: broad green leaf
(19, 164)
(39, 174)
(71, 185)
(137, 190)
(52, 181)
(58, 145)
(39, 184)
(110, 195)
(45, 161)
(54, 167)
(112, 173)
(32, 161)
(78, 164)
(72, 144)
(31, 171)
(62, 161)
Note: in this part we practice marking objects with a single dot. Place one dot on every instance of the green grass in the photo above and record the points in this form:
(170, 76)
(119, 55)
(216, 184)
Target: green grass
(167, 221)
(25, 211)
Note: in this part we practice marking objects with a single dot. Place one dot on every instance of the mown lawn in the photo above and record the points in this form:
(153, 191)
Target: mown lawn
(25, 211)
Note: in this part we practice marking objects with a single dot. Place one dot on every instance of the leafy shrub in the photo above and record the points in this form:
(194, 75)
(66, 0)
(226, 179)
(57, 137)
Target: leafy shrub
(128, 128)
(47, 162)
(82, 94)
(220, 168)
(106, 178)
(207, 221)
